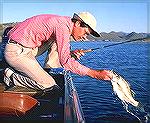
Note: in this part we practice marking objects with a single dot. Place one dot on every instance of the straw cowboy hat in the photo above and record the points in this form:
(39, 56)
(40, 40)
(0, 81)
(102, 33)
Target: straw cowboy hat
(88, 19)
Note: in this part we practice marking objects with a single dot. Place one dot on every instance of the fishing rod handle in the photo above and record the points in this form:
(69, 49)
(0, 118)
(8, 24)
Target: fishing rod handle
(80, 51)
(86, 51)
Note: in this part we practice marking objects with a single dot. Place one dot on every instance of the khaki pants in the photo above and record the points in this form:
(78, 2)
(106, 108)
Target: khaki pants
(24, 59)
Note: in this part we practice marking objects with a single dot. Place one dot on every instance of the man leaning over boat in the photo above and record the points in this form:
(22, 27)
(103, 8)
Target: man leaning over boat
(35, 35)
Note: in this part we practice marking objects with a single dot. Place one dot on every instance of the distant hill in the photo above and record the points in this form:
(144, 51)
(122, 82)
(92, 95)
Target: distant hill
(2, 28)
(121, 36)
(111, 36)
(134, 35)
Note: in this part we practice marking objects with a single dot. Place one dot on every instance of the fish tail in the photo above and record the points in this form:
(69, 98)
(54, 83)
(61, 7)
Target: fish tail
(140, 106)
(147, 114)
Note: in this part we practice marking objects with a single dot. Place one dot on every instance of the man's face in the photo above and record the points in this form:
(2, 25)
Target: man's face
(80, 33)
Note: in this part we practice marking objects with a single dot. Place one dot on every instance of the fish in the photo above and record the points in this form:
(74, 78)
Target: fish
(122, 89)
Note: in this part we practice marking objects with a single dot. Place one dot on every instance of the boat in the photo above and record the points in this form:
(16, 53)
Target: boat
(18, 103)
(24, 104)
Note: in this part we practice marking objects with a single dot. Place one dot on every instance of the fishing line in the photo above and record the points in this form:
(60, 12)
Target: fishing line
(125, 105)
(137, 84)
(110, 45)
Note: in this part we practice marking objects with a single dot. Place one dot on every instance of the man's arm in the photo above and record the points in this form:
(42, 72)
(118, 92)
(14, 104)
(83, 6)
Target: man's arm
(63, 44)
(97, 74)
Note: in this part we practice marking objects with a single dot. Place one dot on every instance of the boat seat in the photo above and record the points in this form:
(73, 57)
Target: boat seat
(12, 104)
(16, 101)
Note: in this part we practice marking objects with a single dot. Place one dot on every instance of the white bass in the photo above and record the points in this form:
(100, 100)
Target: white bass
(122, 89)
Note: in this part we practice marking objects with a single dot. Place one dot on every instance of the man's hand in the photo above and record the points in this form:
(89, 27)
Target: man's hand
(101, 74)
(76, 54)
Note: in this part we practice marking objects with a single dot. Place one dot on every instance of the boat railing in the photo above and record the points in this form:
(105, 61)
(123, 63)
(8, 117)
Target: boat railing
(73, 111)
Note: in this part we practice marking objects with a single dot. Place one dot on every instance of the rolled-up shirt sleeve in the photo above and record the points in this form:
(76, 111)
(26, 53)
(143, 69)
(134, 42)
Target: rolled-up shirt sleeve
(63, 45)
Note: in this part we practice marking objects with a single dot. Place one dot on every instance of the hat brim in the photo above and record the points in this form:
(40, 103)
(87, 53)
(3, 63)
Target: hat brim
(94, 33)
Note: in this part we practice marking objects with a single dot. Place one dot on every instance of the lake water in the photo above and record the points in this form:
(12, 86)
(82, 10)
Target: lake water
(99, 103)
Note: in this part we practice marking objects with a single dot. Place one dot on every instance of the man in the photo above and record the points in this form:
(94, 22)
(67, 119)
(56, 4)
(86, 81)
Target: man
(35, 35)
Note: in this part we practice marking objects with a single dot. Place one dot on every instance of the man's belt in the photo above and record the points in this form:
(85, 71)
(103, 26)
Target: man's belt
(12, 41)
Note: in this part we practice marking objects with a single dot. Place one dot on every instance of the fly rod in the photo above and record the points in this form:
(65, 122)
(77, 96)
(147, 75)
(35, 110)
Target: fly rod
(90, 50)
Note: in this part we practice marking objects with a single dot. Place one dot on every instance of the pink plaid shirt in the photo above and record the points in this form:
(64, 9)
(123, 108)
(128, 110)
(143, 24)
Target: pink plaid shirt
(35, 30)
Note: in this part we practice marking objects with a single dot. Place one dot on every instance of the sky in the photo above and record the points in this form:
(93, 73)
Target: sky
(111, 15)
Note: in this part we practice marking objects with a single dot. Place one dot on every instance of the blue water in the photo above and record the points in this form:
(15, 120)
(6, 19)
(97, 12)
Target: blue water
(99, 103)
(97, 99)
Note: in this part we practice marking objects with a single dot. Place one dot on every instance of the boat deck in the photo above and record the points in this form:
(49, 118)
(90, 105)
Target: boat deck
(49, 107)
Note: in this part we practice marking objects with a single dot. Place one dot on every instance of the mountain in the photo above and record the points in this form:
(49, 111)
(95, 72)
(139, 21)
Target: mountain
(3, 27)
(134, 35)
(121, 36)
(112, 36)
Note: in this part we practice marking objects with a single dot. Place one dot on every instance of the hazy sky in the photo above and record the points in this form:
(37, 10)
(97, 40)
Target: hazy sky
(111, 15)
